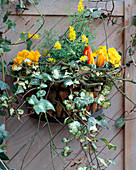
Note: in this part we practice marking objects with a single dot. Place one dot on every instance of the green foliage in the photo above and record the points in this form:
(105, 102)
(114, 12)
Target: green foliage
(40, 106)
(4, 86)
(66, 151)
(109, 144)
(3, 133)
(120, 122)
(133, 23)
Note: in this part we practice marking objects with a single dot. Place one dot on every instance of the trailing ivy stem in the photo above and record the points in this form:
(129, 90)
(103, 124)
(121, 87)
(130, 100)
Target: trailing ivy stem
(3, 73)
(31, 142)
(112, 79)
(51, 140)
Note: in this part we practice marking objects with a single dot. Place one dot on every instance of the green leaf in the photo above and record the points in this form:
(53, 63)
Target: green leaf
(11, 111)
(35, 2)
(120, 122)
(33, 100)
(82, 168)
(35, 82)
(3, 113)
(106, 90)
(20, 111)
(22, 4)
(122, 29)
(4, 2)
(43, 105)
(102, 161)
(64, 140)
(108, 144)
(19, 90)
(3, 133)
(43, 85)
(92, 124)
(46, 77)
(4, 86)
(6, 16)
(68, 83)
(3, 156)
(24, 36)
(41, 93)
(1, 51)
(5, 48)
(29, 43)
(111, 161)
(66, 151)
(105, 123)
(134, 21)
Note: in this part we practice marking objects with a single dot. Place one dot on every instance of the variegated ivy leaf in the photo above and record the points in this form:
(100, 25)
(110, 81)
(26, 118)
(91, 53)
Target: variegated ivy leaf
(102, 161)
(4, 97)
(41, 93)
(71, 96)
(82, 94)
(66, 102)
(106, 90)
(20, 111)
(33, 100)
(43, 85)
(74, 127)
(46, 77)
(42, 105)
(4, 86)
(76, 82)
(92, 124)
(68, 83)
(56, 72)
(11, 111)
(22, 84)
(106, 104)
(35, 82)
(100, 99)
(66, 151)
(111, 161)
(82, 140)
(37, 75)
(82, 168)
(64, 140)
(19, 90)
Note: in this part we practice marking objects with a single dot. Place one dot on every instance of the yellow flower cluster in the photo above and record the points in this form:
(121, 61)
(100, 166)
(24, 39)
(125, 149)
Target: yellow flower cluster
(112, 56)
(72, 33)
(26, 57)
(83, 58)
(80, 6)
(57, 45)
(35, 36)
(51, 60)
(84, 39)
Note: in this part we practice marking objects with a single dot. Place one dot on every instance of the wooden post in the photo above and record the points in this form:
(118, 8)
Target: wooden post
(130, 90)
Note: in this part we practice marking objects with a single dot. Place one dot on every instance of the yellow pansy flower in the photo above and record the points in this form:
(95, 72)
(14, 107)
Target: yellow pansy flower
(51, 60)
(35, 36)
(34, 56)
(57, 45)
